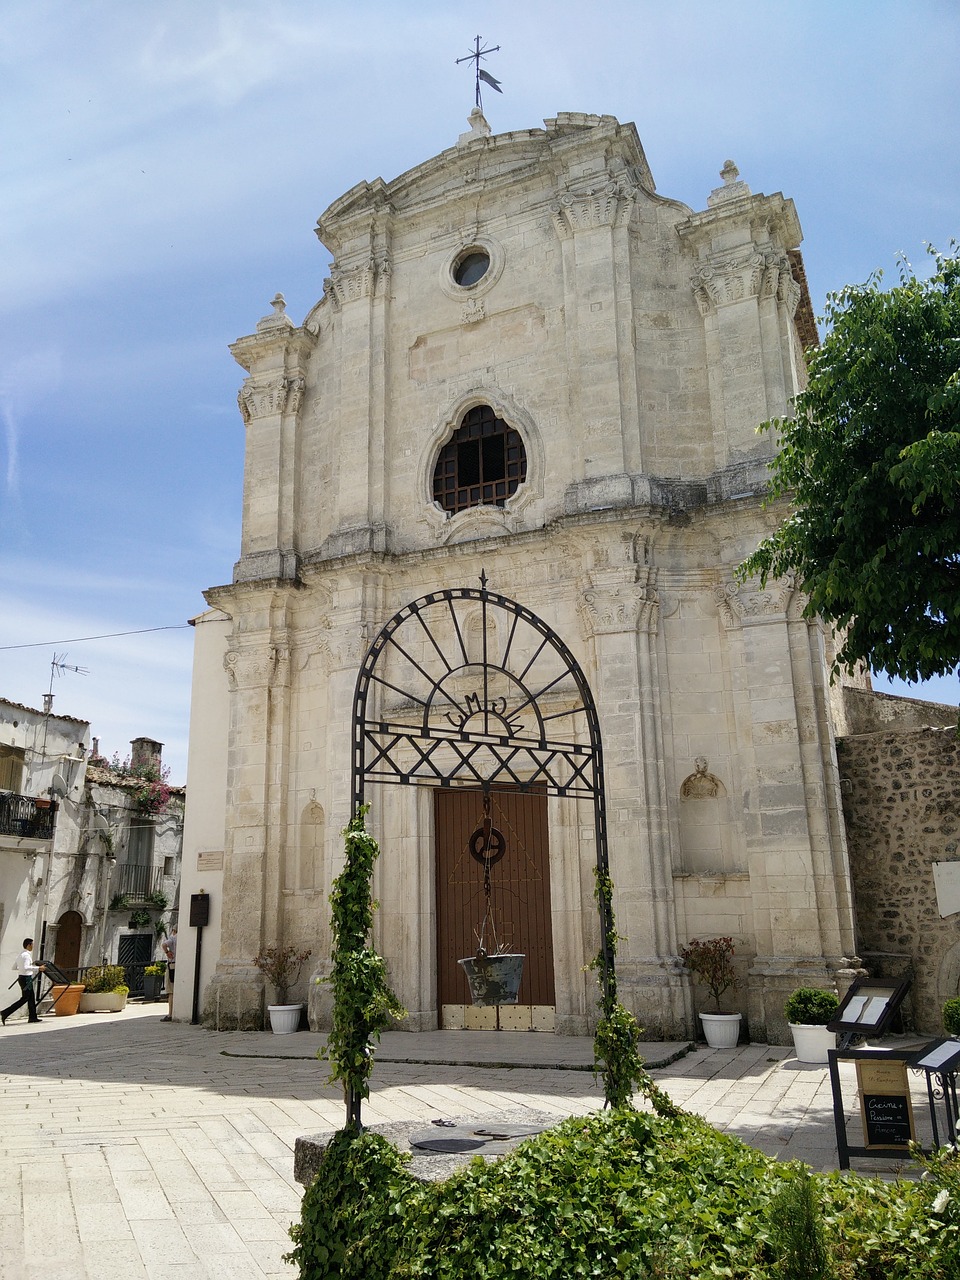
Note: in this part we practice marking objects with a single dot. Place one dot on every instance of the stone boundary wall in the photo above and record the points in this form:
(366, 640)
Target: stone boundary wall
(901, 805)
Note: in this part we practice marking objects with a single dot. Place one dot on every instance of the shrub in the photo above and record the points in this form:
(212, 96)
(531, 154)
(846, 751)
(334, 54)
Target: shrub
(951, 1016)
(623, 1193)
(105, 978)
(811, 1006)
(712, 962)
(156, 970)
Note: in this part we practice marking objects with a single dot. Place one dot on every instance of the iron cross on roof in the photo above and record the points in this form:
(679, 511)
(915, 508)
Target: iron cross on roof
(485, 76)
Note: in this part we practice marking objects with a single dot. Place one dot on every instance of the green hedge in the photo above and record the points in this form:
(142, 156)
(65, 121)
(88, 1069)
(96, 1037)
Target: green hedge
(623, 1193)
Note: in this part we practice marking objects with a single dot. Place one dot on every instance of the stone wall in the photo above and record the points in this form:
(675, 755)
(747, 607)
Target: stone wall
(901, 803)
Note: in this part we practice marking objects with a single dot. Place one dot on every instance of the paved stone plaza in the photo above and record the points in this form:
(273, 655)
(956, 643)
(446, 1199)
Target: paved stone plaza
(136, 1148)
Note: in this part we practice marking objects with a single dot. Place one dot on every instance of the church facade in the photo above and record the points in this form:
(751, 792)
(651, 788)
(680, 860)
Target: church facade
(528, 364)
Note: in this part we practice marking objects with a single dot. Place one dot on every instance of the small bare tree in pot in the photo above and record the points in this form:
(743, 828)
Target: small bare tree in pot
(282, 966)
(711, 961)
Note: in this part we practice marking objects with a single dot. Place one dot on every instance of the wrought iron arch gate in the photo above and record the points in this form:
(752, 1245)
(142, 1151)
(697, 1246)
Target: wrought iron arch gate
(472, 687)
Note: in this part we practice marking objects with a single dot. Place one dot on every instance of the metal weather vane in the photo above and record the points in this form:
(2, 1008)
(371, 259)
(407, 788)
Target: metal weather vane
(485, 76)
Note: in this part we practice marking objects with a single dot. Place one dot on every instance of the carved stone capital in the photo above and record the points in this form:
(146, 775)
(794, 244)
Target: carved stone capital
(265, 397)
(738, 604)
(613, 603)
(369, 279)
(602, 204)
(257, 668)
(740, 273)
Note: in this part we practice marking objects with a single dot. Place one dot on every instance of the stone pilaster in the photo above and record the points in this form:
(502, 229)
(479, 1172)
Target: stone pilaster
(744, 287)
(620, 610)
(591, 218)
(258, 677)
(359, 288)
(796, 853)
(270, 402)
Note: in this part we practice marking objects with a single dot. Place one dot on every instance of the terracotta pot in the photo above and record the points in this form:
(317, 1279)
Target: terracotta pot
(66, 999)
(493, 979)
(722, 1030)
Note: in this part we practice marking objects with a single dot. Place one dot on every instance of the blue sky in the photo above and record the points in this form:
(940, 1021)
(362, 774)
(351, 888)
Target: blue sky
(163, 164)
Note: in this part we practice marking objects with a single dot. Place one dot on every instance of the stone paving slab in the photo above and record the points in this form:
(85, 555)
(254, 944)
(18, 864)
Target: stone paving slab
(161, 1149)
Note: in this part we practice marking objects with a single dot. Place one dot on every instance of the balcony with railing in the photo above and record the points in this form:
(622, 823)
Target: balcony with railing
(137, 883)
(26, 817)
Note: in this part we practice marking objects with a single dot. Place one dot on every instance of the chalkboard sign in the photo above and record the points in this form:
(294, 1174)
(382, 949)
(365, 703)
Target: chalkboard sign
(886, 1120)
(885, 1104)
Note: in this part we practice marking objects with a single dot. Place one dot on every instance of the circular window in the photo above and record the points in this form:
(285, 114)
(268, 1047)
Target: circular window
(471, 267)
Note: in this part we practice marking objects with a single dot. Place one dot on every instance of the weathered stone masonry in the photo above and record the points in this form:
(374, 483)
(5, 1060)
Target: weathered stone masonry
(901, 802)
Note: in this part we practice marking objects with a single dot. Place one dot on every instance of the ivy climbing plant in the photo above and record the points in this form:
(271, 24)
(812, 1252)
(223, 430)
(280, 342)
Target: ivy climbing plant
(616, 1054)
(363, 1002)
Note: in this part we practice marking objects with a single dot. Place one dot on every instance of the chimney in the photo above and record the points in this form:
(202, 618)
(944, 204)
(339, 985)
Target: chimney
(145, 751)
(95, 749)
(47, 703)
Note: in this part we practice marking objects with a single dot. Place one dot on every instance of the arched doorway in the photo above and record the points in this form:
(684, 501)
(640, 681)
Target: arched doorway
(465, 688)
(69, 936)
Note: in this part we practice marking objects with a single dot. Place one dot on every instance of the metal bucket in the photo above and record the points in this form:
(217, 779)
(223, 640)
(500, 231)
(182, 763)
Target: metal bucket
(493, 979)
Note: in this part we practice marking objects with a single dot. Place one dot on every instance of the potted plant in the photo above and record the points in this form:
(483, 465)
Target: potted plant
(951, 1017)
(711, 960)
(106, 989)
(281, 966)
(808, 1010)
(153, 975)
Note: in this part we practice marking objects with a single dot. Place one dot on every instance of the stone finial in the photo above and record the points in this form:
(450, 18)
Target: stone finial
(278, 318)
(478, 128)
(732, 189)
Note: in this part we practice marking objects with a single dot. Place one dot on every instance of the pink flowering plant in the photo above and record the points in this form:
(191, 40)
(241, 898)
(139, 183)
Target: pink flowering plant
(152, 793)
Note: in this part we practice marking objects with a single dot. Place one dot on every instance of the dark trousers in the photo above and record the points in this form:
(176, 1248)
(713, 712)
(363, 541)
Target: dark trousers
(27, 997)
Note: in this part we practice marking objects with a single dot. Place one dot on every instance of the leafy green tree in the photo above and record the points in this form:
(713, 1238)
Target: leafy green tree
(871, 465)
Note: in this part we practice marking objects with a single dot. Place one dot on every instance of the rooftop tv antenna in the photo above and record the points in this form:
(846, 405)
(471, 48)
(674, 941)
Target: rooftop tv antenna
(59, 667)
(485, 76)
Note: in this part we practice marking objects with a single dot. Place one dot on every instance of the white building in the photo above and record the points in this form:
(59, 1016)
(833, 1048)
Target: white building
(526, 363)
(89, 862)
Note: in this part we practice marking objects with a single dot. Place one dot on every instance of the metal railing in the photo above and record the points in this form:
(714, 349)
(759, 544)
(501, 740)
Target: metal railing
(137, 883)
(30, 817)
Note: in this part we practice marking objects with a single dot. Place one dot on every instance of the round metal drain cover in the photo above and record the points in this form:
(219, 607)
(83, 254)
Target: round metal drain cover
(448, 1146)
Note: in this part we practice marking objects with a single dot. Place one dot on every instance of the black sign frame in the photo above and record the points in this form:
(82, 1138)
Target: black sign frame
(853, 1018)
(869, 1151)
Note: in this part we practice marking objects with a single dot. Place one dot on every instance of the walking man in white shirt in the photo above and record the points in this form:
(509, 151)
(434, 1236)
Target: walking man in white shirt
(25, 972)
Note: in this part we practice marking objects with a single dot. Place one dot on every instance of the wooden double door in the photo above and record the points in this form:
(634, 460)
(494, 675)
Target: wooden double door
(519, 916)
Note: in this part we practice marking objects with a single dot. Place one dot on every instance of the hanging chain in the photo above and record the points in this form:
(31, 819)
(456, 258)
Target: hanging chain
(488, 861)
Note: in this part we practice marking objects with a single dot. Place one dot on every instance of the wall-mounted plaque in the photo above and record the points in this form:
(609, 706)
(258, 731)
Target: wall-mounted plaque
(210, 861)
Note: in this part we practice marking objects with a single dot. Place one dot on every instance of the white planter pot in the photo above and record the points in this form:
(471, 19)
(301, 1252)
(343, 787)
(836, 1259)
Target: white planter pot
(722, 1030)
(812, 1042)
(102, 1002)
(284, 1018)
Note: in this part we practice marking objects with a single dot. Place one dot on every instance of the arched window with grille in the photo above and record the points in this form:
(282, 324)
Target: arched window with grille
(483, 463)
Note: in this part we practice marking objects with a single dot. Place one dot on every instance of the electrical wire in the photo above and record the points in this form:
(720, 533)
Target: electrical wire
(111, 635)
